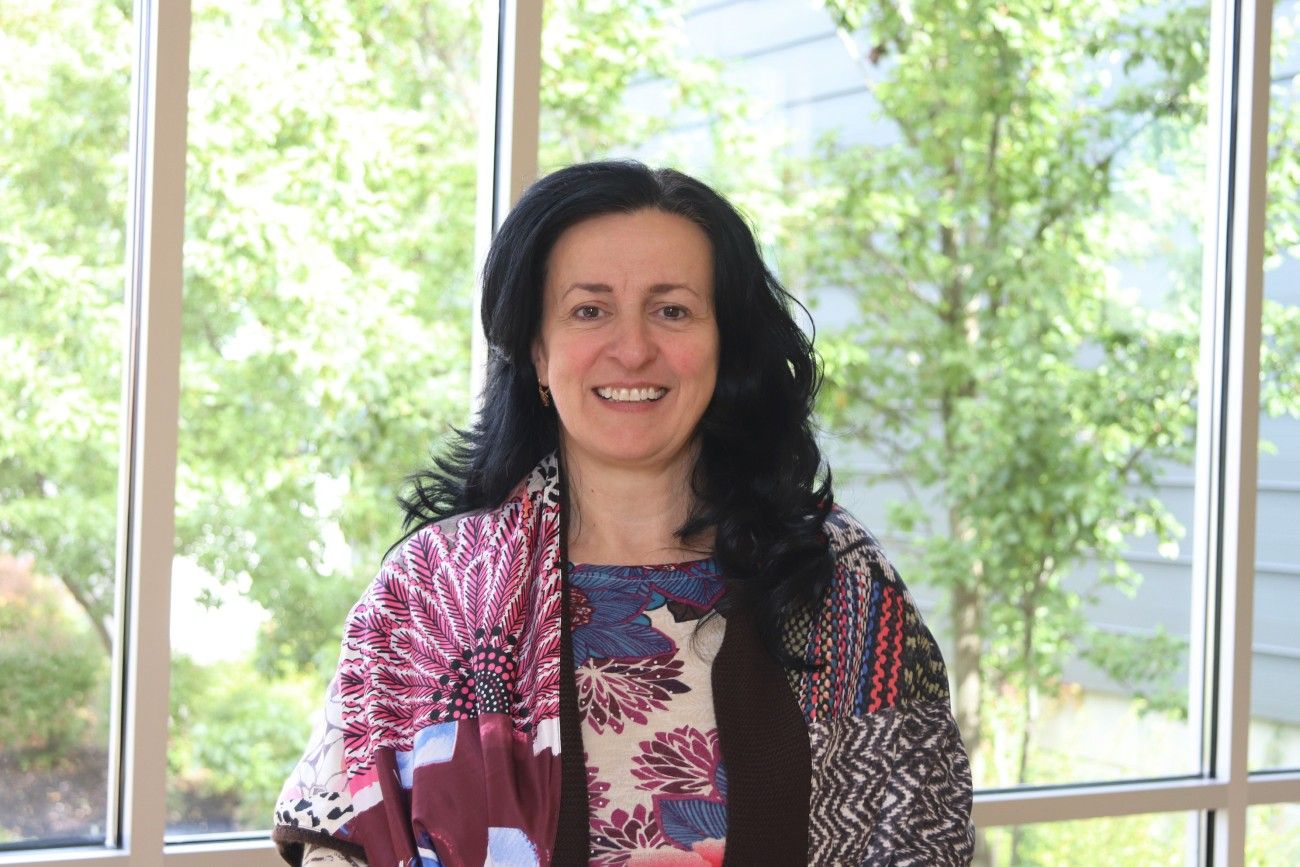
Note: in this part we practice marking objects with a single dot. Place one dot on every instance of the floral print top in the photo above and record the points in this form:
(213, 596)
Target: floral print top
(657, 789)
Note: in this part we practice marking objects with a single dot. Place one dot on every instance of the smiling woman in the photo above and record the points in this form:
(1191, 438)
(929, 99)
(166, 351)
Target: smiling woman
(628, 619)
(628, 349)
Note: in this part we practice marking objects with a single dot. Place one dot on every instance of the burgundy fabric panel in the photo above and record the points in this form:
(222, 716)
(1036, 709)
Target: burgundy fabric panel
(396, 811)
(384, 830)
(493, 780)
(764, 742)
(451, 801)
(523, 788)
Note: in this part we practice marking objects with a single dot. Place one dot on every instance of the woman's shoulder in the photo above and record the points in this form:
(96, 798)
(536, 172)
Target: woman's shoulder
(858, 553)
(470, 532)
(418, 540)
(433, 555)
(870, 611)
(862, 568)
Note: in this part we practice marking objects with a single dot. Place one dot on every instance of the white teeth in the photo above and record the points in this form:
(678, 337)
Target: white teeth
(631, 394)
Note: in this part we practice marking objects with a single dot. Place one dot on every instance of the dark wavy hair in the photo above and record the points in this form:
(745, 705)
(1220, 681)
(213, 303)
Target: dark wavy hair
(756, 478)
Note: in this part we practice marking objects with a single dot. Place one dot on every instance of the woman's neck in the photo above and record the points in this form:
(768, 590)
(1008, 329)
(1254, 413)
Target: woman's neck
(621, 515)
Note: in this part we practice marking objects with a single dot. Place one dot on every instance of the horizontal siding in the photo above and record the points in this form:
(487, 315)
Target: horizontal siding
(786, 54)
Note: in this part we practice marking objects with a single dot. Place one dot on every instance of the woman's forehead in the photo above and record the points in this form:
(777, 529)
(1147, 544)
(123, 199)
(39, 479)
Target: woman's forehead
(648, 250)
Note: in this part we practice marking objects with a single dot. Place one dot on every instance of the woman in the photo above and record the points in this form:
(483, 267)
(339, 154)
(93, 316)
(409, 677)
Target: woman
(630, 625)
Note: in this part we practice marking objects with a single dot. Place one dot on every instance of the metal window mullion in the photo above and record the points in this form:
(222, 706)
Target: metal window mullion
(519, 102)
(1234, 370)
(1074, 803)
(237, 854)
(155, 224)
(509, 80)
(1274, 788)
(1204, 653)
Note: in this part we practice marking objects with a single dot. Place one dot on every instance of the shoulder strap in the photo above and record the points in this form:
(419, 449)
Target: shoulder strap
(764, 743)
(572, 843)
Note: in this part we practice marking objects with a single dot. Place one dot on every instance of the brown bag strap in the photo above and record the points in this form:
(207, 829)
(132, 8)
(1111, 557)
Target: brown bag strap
(764, 744)
(572, 846)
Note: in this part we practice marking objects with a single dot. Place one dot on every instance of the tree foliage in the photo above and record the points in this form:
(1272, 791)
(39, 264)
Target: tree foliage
(1001, 368)
(998, 365)
(65, 74)
(328, 283)
(52, 666)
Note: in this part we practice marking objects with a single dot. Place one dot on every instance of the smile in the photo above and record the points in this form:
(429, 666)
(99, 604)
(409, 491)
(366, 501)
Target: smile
(631, 395)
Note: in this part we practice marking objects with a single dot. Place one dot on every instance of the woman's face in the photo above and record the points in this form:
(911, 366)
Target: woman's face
(628, 342)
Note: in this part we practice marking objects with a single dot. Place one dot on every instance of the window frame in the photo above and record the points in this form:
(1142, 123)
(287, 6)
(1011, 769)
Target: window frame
(1226, 460)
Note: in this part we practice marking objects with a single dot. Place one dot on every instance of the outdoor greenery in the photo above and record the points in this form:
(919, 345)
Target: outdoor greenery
(52, 659)
(1001, 370)
(998, 368)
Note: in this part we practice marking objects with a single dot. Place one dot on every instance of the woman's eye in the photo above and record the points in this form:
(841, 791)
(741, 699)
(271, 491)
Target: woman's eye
(672, 311)
(587, 311)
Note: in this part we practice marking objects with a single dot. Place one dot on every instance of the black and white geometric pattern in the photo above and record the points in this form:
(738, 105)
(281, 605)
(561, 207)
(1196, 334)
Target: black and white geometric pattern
(891, 788)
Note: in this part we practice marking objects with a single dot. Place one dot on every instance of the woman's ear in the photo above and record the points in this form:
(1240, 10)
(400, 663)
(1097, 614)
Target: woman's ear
(538, 354)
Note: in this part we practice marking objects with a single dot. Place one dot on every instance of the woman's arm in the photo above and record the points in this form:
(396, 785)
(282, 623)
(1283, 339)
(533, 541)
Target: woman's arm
(891, 778)
(320, 856)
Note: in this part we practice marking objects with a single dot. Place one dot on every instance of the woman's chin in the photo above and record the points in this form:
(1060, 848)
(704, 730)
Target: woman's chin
(643, 452)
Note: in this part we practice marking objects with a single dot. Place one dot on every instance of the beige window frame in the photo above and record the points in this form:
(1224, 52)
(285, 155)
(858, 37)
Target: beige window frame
(1224, 555)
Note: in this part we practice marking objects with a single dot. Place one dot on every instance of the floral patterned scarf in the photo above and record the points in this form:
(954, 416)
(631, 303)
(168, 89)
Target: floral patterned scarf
(451, 733)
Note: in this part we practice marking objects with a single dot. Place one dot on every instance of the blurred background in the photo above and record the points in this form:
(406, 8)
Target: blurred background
(992, 209)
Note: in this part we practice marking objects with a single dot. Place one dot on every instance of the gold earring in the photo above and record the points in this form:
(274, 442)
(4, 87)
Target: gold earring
(545, 394)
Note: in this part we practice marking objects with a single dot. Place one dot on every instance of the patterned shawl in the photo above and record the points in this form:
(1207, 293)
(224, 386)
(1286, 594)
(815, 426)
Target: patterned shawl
(442, 733)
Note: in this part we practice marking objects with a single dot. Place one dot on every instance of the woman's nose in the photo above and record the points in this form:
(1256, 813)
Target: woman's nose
(633, 344)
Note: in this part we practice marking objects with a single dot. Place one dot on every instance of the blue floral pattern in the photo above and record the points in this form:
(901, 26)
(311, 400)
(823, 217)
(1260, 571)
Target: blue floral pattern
(646, 700)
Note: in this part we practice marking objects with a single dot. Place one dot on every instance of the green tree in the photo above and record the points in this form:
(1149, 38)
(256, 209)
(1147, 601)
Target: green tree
(1157, 840)
(1024, 397)
(65, 72)
(329, 276)
(593, 52)
(328, 282)
(52, 664)
(235, 737)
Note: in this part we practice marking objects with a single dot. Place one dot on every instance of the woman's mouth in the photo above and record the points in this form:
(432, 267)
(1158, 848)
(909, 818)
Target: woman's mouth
(630, 395)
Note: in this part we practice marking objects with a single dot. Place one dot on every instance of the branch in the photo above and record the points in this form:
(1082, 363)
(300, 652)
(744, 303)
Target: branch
(914, 290)
(891, 413)
(1100, 166)
(87, 603)
(990, 170)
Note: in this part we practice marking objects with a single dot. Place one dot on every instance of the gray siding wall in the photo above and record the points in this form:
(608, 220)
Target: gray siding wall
(787, 54)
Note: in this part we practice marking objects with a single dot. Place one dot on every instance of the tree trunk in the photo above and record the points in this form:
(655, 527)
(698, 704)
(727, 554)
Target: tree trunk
(1027, 712)
(101, 622)
(967, 615)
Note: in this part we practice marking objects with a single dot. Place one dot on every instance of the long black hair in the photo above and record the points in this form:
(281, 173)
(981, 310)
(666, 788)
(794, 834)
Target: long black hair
(756, 478)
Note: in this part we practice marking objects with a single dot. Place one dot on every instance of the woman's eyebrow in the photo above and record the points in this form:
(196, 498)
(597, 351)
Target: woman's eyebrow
(656, 289)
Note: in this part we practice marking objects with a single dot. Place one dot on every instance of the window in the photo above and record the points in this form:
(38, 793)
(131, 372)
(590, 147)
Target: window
(1275, 710)
(329, 280)
(1011, 366)
(342, 166)
(65, 73)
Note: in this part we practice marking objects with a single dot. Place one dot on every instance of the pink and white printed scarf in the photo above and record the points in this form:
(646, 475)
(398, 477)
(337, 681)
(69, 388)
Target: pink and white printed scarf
(444, 713)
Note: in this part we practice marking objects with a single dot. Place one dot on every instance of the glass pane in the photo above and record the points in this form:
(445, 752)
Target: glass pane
(1156, 840)
(1274, 701)
(65, 75)
(995, 218)
(329, 280)
(1273, 835)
